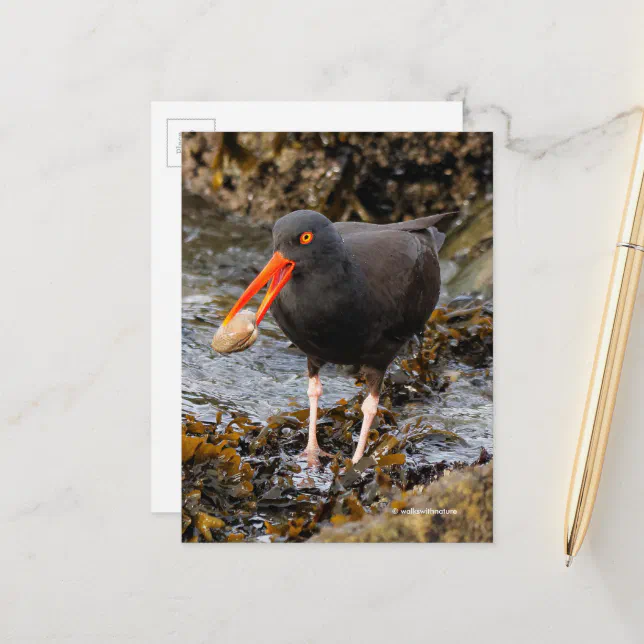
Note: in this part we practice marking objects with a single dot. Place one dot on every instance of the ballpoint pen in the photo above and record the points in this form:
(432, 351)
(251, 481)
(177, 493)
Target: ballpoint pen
(609, 357)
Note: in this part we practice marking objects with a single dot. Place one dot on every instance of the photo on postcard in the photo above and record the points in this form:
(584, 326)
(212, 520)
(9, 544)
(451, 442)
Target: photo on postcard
(337, 337)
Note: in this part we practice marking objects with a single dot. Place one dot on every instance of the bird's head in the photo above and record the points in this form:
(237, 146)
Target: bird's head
(303, 240)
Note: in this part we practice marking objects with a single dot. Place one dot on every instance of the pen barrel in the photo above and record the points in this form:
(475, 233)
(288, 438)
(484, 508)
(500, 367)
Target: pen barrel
(602, 393)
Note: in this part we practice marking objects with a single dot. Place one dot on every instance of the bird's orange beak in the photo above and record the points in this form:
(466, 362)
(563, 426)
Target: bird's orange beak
(278, 270)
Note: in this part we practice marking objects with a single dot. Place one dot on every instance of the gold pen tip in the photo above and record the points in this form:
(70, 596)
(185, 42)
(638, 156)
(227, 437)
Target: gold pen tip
(569, 560)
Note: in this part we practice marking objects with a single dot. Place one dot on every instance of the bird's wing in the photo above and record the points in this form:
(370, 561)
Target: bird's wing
(346, 228)
(403, 276)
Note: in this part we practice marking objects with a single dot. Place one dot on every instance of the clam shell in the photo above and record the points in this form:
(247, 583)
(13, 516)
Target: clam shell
(238, 335)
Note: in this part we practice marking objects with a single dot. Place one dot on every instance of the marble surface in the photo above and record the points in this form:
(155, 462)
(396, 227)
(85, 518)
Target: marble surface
(82, 558)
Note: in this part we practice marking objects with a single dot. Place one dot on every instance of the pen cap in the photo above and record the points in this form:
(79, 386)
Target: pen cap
(632, 230)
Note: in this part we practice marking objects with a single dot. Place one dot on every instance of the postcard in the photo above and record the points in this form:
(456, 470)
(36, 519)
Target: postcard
(336, 336)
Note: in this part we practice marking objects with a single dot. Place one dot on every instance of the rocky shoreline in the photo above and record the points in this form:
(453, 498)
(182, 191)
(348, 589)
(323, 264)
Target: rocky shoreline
(457, 508)
(378, 178)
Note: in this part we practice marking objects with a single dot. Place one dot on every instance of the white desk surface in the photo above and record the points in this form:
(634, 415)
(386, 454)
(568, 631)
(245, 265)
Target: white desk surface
(82, 558)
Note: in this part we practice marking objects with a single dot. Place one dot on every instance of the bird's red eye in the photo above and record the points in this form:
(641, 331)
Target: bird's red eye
(306, 238)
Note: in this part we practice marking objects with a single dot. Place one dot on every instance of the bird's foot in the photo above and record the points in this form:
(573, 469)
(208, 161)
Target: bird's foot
(312, 456)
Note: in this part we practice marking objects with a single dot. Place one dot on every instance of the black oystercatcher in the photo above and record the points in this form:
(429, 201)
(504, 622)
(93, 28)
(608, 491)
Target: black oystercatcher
(348, 293)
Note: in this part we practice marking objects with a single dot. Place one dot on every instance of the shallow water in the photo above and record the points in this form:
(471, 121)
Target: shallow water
(220, 258)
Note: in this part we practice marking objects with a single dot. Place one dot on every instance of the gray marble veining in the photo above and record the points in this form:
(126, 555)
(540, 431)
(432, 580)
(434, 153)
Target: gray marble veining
(83, 560)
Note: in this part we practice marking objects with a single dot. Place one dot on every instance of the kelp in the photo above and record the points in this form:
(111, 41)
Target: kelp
(241, 478)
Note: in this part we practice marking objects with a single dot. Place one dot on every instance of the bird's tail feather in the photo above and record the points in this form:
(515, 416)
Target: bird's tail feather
(426, 223)
(422, 222)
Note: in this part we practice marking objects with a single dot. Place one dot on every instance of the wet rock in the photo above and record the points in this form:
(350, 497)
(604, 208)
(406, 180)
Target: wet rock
(456, 508)
(377, 177)
(472, 232)
(476, 277)
(469, 248)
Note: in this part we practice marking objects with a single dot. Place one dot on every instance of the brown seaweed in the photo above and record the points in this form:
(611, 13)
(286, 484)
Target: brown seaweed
(242, 480)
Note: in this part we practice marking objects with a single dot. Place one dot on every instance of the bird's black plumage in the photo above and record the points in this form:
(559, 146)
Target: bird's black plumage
(358, 291)
(348, 293)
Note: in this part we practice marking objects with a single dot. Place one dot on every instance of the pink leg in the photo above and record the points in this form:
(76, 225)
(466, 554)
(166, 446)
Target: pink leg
(313, 451)
(369, 410)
